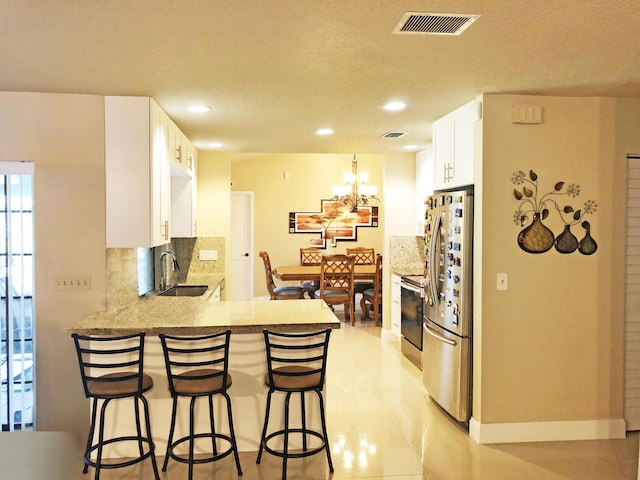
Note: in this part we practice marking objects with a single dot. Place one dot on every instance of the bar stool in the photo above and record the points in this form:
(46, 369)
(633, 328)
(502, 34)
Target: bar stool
(198, 367)
(296, 363)
(109, 356)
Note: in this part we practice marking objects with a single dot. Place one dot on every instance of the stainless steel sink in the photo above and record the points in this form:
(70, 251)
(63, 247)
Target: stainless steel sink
(185, 291)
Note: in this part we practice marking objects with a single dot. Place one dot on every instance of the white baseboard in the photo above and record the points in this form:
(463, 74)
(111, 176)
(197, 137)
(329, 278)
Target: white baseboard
(546, 431)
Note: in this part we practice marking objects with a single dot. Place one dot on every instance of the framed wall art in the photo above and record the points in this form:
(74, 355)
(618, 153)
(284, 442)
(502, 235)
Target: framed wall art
(334, 222)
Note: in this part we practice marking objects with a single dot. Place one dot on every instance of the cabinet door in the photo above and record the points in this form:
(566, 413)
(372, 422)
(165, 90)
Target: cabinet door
(184, 196)
(396, 312)
(128, 172)
(453, 147)
(160, 176)
(463, 144)
(443, 152)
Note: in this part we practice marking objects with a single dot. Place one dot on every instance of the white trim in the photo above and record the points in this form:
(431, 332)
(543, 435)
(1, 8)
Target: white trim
(546, 431)
(17, 167)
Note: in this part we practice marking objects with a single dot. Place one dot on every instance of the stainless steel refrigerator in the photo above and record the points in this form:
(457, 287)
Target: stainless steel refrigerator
(447, 328)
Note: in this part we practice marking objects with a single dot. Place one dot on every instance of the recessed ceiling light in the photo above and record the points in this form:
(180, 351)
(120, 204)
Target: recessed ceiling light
(199, 108)
(410, 147)
(324, 131)
(394, 106)
(215, 144)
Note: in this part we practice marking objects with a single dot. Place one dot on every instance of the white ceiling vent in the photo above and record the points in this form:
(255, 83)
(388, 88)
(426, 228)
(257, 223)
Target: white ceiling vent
(417, 23)
(394, 134)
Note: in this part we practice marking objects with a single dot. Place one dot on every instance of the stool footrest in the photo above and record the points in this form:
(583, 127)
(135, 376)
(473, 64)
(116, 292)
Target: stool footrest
(126, 463)
(305, 453)
(212, 458)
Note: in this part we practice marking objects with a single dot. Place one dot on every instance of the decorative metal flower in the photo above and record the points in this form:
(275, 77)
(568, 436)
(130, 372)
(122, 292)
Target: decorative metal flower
(531, 202)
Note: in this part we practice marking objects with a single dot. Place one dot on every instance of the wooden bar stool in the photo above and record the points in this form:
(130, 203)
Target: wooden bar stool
(296, 363)
(198, 367)
(112, 368)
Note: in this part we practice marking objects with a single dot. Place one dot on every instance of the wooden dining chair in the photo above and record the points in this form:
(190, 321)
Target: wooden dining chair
(362, 256)
(310, 256)
(279, 293)
(373, 295)
(336, 283)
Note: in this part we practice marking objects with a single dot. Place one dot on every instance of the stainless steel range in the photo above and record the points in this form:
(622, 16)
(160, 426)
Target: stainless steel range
(411, 306)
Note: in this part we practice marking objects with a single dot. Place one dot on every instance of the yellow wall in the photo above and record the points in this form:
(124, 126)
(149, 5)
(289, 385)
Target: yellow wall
(551, 347)
(64, 136)
(214, 202)
(311, 177)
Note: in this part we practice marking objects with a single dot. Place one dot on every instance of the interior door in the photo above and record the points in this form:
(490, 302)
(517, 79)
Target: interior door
(241, 245)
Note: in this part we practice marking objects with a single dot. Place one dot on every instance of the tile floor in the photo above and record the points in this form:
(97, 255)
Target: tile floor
(382, 425)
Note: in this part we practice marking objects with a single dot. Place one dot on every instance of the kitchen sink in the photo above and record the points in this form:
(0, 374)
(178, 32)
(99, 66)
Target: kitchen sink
(185, 291)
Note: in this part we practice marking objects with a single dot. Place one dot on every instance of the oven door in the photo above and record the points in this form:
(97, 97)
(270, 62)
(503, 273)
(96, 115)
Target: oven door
(411, 314)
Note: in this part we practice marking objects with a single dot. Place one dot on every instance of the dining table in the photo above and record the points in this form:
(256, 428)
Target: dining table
(301, 273)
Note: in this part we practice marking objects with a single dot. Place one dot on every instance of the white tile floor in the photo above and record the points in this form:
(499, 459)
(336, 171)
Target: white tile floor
(382, 425)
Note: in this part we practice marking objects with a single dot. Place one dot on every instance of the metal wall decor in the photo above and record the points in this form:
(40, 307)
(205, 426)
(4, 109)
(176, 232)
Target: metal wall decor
(334, 222)
(534, 208)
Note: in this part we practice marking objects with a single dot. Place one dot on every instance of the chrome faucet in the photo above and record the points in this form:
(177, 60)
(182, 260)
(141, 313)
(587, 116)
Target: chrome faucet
(165, 282)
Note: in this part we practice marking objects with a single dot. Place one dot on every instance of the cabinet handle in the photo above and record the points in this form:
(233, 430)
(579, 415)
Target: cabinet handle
(190, 161)
(179, 153)
(166, 230)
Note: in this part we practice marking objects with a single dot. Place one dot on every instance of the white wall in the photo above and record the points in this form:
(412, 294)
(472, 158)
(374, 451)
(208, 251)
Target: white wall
(64, 136)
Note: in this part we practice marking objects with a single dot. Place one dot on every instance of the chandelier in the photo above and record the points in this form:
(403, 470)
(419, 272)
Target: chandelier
(355, 192)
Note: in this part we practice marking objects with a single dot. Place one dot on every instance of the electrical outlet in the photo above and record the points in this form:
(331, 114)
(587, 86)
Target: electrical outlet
(208, 254)
(66, 283)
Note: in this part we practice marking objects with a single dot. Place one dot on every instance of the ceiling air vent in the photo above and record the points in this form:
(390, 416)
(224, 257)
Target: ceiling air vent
(394, 134)
(416, 23)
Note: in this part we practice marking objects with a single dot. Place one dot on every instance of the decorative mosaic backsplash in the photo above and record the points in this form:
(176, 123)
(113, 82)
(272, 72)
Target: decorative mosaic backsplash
(406, 254)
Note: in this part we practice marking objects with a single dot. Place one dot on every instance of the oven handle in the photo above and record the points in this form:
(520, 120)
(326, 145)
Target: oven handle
(411, 288)
(438, 337)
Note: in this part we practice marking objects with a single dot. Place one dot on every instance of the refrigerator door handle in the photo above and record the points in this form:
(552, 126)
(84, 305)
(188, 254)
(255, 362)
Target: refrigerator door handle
(432, 259)
(438, 337)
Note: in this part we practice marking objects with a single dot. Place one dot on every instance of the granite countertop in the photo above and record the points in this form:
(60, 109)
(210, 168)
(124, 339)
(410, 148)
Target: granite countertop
(408, 270)
(196, 316)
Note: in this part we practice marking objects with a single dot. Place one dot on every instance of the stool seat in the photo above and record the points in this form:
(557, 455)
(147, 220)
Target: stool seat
(119, 384)
(200, 382)
(284, 380)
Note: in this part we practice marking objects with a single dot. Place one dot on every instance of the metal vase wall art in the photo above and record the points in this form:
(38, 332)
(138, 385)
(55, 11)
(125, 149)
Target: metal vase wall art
(534, 209)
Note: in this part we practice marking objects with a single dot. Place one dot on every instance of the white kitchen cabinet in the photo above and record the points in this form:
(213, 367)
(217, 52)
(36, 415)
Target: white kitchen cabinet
(138, 187)
(182, 152)
(453, 147)
(396, 312)
(184, 203)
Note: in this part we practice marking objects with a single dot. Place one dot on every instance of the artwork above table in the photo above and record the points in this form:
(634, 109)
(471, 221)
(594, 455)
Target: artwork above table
(334, 222)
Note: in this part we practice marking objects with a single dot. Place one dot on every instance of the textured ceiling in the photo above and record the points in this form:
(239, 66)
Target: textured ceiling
(273, 71)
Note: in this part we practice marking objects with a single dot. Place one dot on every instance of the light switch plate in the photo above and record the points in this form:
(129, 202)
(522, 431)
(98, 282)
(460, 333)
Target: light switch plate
(502, 282)
(67, 283)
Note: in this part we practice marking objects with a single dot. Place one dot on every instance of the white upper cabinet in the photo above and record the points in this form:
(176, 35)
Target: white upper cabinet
(453, 147)
(184, 201)
(139, 152)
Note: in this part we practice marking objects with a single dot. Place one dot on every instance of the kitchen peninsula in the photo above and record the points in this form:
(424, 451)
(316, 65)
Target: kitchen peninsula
(197, 316)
